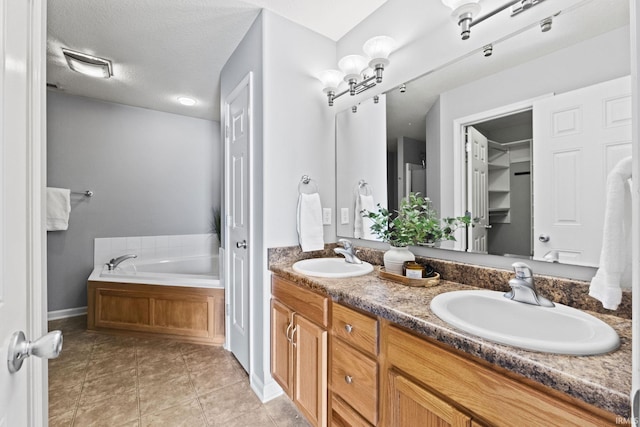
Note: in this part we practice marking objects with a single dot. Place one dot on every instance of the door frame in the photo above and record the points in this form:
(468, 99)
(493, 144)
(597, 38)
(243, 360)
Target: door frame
(247, 81)
(459, 164)
(36, 304)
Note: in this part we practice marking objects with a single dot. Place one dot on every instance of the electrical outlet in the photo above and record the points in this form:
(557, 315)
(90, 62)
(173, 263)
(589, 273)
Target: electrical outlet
(344, 216)
(326, 216)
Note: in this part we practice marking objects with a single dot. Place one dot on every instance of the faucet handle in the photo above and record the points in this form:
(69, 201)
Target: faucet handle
(346, 243)
(522, 270)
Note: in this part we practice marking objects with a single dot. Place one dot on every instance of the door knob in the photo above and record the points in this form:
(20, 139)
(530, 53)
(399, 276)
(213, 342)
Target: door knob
(242, 244)
(47, 346)
(544, 238)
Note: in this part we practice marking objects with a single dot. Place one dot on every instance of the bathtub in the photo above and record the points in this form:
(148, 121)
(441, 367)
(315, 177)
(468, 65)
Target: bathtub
(179, 298)
(196, 271)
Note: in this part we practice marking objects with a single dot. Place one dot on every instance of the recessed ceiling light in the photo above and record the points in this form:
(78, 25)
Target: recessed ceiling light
(185, 100)
(87, 64)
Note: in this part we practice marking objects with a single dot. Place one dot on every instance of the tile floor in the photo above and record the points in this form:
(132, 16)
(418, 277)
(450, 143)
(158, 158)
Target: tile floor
(103, 380)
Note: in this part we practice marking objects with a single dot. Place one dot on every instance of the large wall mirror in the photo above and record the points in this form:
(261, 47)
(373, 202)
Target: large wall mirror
(516, 139)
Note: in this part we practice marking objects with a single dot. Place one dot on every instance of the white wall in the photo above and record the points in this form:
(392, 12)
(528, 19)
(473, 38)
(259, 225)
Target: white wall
(360, 136)
(152, 173)
(299, 139)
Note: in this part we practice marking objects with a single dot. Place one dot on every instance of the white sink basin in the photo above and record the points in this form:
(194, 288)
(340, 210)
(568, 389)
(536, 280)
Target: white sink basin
(331, 267)
(559, 329)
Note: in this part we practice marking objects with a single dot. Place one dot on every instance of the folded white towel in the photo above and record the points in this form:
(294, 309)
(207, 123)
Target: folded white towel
(310, 232)
(614, 269)
(362, 225)
(58, 208)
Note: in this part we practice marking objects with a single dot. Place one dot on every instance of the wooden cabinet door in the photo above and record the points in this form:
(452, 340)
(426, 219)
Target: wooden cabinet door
(410, 405)
(310, 377)
(281, 354)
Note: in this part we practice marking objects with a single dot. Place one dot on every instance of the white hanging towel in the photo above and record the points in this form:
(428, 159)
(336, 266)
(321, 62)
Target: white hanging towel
(614, 269)
(310, 232)
(361, 225)
(58, 208)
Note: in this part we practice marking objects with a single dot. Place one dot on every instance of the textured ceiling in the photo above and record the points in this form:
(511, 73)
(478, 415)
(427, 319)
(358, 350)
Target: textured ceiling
(162, 49)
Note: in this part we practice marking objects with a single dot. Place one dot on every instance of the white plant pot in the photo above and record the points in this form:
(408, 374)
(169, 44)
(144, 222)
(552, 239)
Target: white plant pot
(395, 257)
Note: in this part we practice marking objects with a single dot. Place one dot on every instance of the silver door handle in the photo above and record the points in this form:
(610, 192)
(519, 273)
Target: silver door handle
(241, 245)
(544, 238)
(48, 346)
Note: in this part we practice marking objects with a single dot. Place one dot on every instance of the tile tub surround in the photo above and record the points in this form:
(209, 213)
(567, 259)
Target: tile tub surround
(603, 381)
(154, 247)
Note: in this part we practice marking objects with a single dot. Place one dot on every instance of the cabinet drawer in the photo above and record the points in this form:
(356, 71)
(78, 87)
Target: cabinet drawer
(354, 377)
(355, 328)
(343, 416)
(314, 306)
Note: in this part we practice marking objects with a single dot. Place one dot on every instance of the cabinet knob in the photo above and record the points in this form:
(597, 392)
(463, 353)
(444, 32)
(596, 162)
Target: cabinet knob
(348, 328)
(348, 379)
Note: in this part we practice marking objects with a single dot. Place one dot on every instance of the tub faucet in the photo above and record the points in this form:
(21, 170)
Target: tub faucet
(523, 289)
(347, 251)
(113, 263)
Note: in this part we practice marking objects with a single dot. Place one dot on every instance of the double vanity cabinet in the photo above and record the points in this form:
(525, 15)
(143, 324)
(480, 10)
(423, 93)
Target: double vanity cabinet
(347, 366)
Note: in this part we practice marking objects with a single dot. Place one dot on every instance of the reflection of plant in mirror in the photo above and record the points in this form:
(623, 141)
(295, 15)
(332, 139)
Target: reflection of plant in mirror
(415, 222)
(215, 222)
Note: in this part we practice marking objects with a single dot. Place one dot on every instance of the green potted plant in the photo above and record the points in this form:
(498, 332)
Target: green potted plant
(416, 222)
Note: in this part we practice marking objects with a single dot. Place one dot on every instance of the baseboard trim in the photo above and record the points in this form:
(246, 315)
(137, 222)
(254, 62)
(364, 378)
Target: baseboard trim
(69, 312)
(265, 392)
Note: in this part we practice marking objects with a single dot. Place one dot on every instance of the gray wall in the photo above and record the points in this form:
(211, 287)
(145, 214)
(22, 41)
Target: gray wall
(153, 173)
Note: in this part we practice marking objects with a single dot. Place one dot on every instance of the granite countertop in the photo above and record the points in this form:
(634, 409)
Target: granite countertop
(603, 381)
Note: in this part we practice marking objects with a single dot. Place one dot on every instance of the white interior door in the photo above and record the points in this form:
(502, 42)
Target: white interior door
(477, 189)
(237, 140)
(416, 179)
(22, 35)
(579, 137)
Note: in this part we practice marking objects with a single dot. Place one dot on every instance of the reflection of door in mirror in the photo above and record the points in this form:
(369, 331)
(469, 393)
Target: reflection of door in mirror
(416, 179)
(580, 135)
(499, 185)
(410, 168)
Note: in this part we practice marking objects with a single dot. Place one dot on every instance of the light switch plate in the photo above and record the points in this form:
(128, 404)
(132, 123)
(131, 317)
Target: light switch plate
(326, 216)
(344, 216)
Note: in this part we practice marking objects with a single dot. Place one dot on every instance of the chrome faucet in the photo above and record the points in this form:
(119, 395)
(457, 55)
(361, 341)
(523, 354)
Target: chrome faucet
(523, 289)
(113, 263)
(347, 251)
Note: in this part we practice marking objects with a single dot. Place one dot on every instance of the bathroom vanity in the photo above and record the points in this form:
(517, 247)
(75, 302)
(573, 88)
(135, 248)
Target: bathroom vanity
(364, 351)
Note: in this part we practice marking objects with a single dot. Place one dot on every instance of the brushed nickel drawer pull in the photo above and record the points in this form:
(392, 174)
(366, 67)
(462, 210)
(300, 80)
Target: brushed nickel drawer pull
(348, 328)
(348, 379)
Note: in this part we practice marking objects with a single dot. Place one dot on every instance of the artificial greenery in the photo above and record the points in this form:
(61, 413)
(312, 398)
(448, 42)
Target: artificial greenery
(415, 222)
(214, 223)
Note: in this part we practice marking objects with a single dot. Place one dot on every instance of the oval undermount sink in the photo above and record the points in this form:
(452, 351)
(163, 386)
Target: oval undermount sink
(331, 267)
(560, 329)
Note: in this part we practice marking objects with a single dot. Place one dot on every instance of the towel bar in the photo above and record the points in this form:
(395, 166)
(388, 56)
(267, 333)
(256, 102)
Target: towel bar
(86, 193)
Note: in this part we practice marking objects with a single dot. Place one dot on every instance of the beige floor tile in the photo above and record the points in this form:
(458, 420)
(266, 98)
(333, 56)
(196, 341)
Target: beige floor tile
(109, 349)
(108, 365)
(255, 418)
(69, 325)
(120, 409)
(284, 413)
(154, 354)
(188, 414)
(204, 359)
(228, 403)
(63, 400)
(170, 367)
(107, 386)
(165, 394)
(187, 348)
(223, 373)
(61, 420)
(66, 376)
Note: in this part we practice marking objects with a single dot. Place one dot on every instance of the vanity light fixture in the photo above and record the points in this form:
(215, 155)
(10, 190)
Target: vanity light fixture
(487, 50)
(465, 12)
(359, 72)
(185, 100)
(88, 64)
